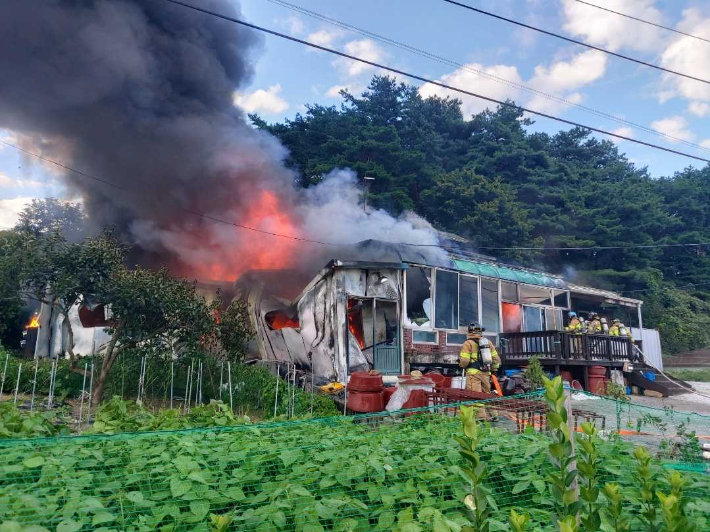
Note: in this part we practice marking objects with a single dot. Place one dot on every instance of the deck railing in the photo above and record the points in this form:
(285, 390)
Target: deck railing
(565, 348)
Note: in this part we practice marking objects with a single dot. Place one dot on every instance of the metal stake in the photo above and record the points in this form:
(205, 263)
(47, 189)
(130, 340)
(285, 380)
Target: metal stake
(4, 371)
(313, 391)
(83, 390)
(187, 385)
(172, 376)
(231, 399)
(34, 385)
(91, 390)
(278, 378)
(293, 393)
(221, 371)
(52, 373)
(17, 385)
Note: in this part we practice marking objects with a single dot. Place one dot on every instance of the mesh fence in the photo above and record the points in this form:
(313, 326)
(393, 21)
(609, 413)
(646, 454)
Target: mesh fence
(382, 471)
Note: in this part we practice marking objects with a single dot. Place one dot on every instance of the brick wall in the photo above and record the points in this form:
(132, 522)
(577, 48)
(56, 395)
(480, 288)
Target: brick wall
(430, 353)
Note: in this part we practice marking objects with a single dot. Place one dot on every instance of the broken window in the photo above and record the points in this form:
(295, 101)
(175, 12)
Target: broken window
(534, 295)
(561, 299)
(446, 314)
(489, 301)
(419, 296)
(509, 292)
(468, 300)
(512, 317)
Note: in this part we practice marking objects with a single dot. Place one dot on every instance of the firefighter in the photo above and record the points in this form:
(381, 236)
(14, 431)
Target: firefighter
(574, 325)
(614, 329)
(479, 357)
(595, 325)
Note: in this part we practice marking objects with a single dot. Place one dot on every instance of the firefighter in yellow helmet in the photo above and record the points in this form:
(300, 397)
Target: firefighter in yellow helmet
(595, 324)
(615, 326)
(479, 357)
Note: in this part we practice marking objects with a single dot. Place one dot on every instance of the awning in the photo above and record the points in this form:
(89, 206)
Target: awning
(510, 274)
(604, 295)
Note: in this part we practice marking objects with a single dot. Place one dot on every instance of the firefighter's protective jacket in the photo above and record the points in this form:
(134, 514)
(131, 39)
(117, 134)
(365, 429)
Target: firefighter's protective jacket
(595, 326)
(468, 357)
(614, 330)
(574, 326)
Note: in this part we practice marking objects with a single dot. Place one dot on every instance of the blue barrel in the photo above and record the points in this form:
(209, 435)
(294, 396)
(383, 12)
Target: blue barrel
(511, 372)
(650, 375)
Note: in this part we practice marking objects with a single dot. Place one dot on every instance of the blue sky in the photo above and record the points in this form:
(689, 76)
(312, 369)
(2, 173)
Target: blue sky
(289, 75)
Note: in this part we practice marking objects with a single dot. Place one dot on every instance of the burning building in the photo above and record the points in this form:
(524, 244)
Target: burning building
(394, 309)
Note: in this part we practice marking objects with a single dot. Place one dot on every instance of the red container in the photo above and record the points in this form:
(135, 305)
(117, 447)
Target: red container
(365, 401)
(566, 375)
(438, 379)
(599, 371)
(417, 399)
(362, 381)
(387, 394)
(447, 382)
(597, 384)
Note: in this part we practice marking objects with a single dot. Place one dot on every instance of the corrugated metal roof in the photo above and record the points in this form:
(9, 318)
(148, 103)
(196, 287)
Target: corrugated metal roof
(510, 274)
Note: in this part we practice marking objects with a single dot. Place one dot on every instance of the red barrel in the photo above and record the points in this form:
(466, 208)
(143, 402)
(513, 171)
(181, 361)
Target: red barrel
(438, 379)
(417, 399)
(599, 371)
(597, 384)
(566, 375)
(362, 381)
(365, 401)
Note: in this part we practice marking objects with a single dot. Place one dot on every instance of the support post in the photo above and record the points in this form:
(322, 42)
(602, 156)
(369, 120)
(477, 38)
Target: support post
(34, 385)
(91, 390)
(17, 385)
(278, 378)
(4, 372)
(231, 401)
(83, 391)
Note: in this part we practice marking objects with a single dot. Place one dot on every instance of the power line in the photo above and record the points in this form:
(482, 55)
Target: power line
(433, 82)
(684, 287)
(482, 73)
(326, 243)
(581, 43)
(644, 21)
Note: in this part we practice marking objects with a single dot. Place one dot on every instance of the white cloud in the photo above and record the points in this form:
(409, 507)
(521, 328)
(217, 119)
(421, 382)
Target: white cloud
(365, 49)
(611, 31)
(625, 131)
(675, 126)
(686, 55)
(699, 108)
(293, 24)
(324, 37)
(10, 209)
(705, 143)
(267, 101)
(352, 88)
(8, 182)
(466, 78)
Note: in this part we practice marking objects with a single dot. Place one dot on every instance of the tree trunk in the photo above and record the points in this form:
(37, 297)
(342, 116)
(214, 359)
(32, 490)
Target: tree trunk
(109, 359)
(70, 333)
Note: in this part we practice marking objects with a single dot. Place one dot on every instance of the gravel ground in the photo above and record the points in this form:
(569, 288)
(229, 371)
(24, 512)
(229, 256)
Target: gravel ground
(687, 402)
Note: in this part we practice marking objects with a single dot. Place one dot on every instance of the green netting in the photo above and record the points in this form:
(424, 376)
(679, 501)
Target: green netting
(372, 472)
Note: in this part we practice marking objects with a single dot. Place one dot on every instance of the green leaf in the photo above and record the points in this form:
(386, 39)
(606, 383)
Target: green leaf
(135, 497)
(386, 520)
(179, 487)
(200, 508)
(68, 525)
(102, 517)
(34, 461)
(520, 486)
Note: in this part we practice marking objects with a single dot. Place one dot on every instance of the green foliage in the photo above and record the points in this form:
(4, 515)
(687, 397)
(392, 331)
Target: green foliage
(648, 488)
(117, 415)
(11, 314)
(616, 391)
(588, 467)
(534, 373)
(50, 215)
(614, 510)
(673, 506)
(67, 384)
(561, 455)
(16, 424)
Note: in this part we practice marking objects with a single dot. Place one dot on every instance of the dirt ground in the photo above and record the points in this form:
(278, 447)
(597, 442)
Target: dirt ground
(687, 402)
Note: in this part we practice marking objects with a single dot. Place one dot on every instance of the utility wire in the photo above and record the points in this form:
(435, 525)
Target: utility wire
(433, 82)
(644, 21)
(581, 43)
(479, 72)
(326, 243)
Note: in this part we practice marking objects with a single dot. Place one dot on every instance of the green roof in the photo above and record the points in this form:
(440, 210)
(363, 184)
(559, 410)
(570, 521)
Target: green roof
(509, 274)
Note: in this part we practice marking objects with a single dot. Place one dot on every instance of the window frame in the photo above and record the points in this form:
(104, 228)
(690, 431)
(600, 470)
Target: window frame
(449, 344)
(432, 292)
(418, 342)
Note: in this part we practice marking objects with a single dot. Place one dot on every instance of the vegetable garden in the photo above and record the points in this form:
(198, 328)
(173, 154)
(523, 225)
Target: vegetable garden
(374, 472)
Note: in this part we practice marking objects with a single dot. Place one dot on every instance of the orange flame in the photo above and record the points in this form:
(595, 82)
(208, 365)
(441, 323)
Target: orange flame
(33, 323)
(251, 250)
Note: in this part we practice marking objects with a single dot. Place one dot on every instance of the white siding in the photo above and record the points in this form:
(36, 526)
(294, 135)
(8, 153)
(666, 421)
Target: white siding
(651, 345)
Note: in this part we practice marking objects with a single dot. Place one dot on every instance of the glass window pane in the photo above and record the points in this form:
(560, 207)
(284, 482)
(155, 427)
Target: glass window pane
(446, 314)
(426, 337)
(419, 296)
(489, 297)
(560, 299)
(468, 300)
(533, 319)
(512, 317)
(534, 295)
(509, 292)
(455, 338)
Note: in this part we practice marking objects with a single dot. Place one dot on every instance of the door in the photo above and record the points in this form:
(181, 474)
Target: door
(373, 325)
